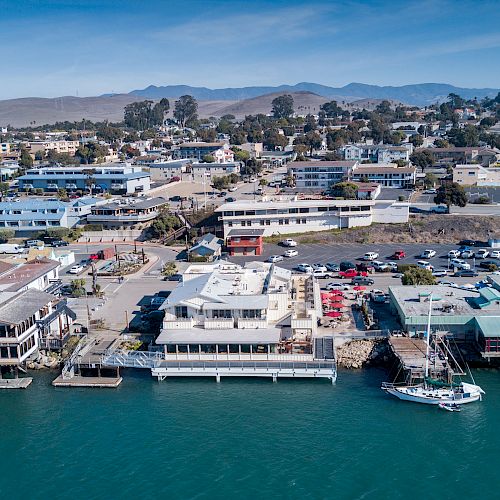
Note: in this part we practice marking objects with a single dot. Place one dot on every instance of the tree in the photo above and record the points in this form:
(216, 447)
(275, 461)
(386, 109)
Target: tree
(263, 182)
(282, 106)
(417, 140)
(91, 153)
(62, 194)
(169, 269)
(418, 276)
(346, 190)
(143, 115)
(78, 288)
(455, 101)
(430, 180)
(4, 189)
(25, 161)
(220, 183)
(6, 235)
(39, 156)
(397, 137)
(331, 109)
(273, 139)
(451, 194)
(89, 179)
(208, 158)
(310, 124)
(186, 110)
(422, 159)
(241, 155)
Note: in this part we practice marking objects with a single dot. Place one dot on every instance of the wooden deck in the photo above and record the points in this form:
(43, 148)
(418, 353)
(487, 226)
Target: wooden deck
(15, 383)
(78, 381)
(411, 354)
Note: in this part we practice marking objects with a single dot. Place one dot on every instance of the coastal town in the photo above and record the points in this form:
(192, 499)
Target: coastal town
(281, 245)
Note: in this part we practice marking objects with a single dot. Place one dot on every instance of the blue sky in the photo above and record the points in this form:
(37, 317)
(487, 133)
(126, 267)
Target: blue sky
(88, 47)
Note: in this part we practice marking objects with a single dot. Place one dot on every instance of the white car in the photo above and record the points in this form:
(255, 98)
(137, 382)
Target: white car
(289, 243)
(430, 191)
(460, 264)
(439, 273)
(482, 254)
(305, 268)
(467, 286)
(275, 258)
(76, 269)
(423, 264)
(291, 253)
(321, 274)
(378, 265)
(467, 254)
(338, 286)
(232, 189)
(393, 266)
(320, 267)
(428, 254)
(448, 283)
(453, 254)
(370, 256)
(495, 254)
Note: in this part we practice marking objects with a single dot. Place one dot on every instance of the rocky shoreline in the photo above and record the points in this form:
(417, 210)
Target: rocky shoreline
(359, 353)
(45, 360)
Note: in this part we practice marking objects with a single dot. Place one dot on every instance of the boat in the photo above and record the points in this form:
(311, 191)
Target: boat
(449, 406)
(434, 391)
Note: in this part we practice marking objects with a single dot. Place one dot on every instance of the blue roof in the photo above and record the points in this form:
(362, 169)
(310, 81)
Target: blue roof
(53, 177)
(31, 204)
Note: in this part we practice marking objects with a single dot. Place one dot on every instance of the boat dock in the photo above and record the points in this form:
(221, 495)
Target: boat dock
(411, 353)
(15, 383)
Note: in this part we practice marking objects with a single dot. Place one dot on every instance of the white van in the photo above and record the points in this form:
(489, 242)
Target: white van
(10, 248)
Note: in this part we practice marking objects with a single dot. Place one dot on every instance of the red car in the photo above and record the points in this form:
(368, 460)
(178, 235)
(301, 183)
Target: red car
(352, 273)
(399, 254)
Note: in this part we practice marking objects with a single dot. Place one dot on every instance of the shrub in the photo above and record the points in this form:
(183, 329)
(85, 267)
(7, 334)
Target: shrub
(6, 235)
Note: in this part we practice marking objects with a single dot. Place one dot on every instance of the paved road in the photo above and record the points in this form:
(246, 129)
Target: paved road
(470, 209)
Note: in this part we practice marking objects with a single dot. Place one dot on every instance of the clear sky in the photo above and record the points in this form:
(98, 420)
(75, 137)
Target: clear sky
(89, 47)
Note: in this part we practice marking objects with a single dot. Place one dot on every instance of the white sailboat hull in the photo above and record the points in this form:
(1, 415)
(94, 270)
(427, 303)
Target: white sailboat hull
(419, 394)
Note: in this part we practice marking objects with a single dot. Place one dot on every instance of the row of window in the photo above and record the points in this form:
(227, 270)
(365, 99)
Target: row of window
(302, 210)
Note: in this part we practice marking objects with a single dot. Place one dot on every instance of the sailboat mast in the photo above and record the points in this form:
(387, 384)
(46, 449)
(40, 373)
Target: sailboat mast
(427, 338)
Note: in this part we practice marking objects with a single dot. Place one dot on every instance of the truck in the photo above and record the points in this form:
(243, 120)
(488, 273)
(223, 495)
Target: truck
(439, 209)
(10, 248)
(106, 253)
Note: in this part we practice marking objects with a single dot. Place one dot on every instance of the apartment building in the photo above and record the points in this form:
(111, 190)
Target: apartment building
(167, 170)
(376, 153)
(476, 175)
(283, 215)
(320, 174)
(204, 172)
(68, 147)
(259, 320)
(113, 178)
(220, 151)
(386, 174)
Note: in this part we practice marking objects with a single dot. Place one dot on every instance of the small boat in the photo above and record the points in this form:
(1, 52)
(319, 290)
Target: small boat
(449, 406)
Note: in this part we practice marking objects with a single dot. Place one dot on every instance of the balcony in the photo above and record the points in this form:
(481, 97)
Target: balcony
(253, 323)
(178, 324)
(218, 323)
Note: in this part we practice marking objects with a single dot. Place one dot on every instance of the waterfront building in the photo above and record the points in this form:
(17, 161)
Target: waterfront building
(257, 320)
(469, 316)
(125, 214)
(114, 178)
(285, 215)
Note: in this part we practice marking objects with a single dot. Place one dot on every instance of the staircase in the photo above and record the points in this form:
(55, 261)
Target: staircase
(324, 348)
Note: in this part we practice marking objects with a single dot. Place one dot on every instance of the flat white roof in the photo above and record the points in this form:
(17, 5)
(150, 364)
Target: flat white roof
(232, 336)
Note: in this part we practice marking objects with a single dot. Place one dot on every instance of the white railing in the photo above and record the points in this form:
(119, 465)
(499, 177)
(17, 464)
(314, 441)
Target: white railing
(178, 324)
(218, 324)
(239, 357)
(251, 323)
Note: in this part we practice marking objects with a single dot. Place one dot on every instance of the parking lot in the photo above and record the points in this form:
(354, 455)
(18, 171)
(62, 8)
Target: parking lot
(320, 253)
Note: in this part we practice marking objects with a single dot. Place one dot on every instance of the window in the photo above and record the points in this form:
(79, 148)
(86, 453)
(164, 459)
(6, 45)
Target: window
(181, 311)
(304, 210)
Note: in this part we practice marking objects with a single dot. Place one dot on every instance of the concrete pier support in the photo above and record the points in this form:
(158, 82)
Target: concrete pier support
(275, 377)
(217, 378)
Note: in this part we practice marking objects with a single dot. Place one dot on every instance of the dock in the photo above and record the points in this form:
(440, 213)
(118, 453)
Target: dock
(15, 383)
(411, 353)
(79, 381)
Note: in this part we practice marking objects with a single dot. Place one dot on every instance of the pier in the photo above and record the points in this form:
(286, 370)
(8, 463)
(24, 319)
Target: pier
(15, 383)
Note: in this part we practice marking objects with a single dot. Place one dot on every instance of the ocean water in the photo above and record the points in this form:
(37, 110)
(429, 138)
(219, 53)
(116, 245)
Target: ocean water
(243, 438)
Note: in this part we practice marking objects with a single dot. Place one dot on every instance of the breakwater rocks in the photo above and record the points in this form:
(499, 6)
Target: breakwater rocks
(359, 353)
(45, 361)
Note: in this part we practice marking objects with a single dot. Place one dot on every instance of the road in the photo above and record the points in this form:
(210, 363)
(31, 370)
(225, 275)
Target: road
(470, 209)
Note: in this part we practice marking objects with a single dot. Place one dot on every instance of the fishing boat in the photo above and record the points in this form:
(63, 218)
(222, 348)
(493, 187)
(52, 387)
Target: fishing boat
(435, 391)
(449, 406)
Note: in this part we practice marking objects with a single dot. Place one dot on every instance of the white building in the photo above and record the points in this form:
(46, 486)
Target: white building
(257, 320)
(292, 215)
(476, 175)
(385, 174)
(377, 153)
(207, 171)
(167, 170)
(320, 174)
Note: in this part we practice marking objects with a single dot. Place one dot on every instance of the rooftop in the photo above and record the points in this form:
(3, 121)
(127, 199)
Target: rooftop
(19, 307)
(22, 275)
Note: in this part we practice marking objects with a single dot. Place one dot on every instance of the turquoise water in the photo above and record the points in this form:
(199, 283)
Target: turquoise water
(246, 439)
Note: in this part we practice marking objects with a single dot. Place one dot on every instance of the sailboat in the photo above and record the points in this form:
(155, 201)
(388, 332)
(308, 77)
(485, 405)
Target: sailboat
(431, 391)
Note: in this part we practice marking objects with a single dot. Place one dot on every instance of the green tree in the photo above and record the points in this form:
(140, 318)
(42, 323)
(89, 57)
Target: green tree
(430, 180)
(144, 115)
(417, 140)
(346, 190)
(241, 155)
(422, 159)
(451, 194)
(273, 139)
(39, 155)
(282, 106)
(92, 152)
(418, 276)
(62, 194)
(220, 183)
(169, 269)
(25, 161)
(441, 143)
(185, 110)
(78, 288)
(208, 158)
(263, 182)
(6, 235)
(331, 109)
(397, 137)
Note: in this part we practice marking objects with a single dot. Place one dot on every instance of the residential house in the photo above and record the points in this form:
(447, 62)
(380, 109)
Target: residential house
(385, 174)
(476, 175)
(205, 172)
(167, 170)
(208, 247)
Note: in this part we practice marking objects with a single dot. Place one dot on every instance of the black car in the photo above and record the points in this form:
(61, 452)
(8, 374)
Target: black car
(345, 265)
(230, 199)
(175, 277)
(469, 243)
(60, 243)
(487, 264)
(466, 273)
(361, 280)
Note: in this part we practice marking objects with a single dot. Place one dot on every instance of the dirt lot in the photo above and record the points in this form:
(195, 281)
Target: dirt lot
(420, 229)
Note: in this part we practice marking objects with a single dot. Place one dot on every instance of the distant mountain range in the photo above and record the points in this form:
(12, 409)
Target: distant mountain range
(421, 94)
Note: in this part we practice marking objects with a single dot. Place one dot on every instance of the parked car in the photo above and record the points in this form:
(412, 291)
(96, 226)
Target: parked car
(352, 273)
(222, 194)
(291, 253)
(39, 245)
(230, 199)
(338, 286)
(76, 269)
(453, 254)
(468, 243)
(482, 254)
(380, 266)
(332, 267)
(467, 286)
(428, 254)
(365, 266)
(423, 264)
(320, 267)
(448, 283)
(439, 273)
(378, 296)
(321, 274)
(430, 191)
(362, 280)
(495, 254)
(275, 258)
(440, 209)
(399, 254)
(289, 243)
(487, 264)
(305, 268)
(370, 256)
(345, 265)
(232, 189)
(60, 243)
(459, 264)
(467, 254)
(468, 273)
